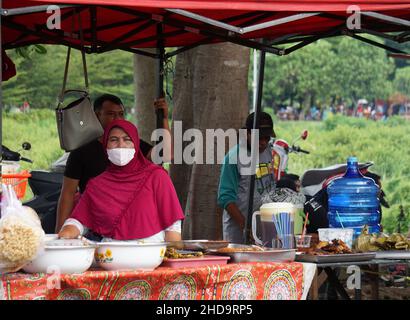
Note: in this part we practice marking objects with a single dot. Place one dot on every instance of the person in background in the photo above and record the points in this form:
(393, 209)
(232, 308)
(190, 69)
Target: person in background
(233, 187)
(133, 199)
(91, 160)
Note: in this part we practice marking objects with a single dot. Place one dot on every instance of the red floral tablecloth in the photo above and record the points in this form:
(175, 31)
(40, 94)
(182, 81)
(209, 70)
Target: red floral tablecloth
(257, 280)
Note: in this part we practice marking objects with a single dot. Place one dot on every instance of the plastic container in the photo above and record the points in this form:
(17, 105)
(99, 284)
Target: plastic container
(329, 234)
(10, 167)
(353, 201)
(18, 182)
(303, 241)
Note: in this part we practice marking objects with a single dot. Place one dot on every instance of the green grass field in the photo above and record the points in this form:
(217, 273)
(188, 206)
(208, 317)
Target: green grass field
(330, 142)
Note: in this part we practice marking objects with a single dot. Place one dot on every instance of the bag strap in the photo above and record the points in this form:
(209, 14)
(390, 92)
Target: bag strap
(83, 54)
(61, 96)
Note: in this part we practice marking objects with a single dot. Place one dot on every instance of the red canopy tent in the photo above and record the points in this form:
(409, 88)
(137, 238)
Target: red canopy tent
(130, 25)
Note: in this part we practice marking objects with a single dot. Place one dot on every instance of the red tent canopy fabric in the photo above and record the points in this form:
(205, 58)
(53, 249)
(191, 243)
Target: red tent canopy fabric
(131, 24)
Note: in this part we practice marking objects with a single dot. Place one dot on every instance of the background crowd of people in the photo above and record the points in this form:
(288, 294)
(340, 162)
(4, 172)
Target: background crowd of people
(375, 110)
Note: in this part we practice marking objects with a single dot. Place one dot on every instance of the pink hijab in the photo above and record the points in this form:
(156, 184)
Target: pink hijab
(134, 201)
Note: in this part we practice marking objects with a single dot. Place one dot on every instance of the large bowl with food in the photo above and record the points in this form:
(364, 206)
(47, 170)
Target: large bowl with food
(130, 255)
(63, 256)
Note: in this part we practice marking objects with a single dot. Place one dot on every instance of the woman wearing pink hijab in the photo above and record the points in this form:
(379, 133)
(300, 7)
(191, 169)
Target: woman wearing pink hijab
(133, 199)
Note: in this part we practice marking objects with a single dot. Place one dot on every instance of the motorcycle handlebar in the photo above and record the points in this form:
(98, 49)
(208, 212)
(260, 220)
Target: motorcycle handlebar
(26, 160)
(7, 154)
(298, 149)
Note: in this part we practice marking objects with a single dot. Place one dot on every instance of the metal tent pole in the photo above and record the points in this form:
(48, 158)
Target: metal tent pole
(254, 79)
(160, 78)
(255, 142)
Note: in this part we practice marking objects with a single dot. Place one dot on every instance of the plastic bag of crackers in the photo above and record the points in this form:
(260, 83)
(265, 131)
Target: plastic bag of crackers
(21, 235)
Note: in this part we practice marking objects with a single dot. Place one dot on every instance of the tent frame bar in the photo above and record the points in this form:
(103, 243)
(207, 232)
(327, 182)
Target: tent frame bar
(313, 39)
(33, 9)
(379, 34)
(277, 22)
(403, 37)
(111, 45)
(205, 20)
(374, 43)
(197, 29)
(242, 30)
(386, 18)
(40, 34)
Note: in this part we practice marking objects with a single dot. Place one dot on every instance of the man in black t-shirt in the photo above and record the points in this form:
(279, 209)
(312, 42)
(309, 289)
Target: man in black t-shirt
(91, 160)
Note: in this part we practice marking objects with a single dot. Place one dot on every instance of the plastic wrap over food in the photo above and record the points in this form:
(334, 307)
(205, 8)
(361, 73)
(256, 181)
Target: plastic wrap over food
(21, 235)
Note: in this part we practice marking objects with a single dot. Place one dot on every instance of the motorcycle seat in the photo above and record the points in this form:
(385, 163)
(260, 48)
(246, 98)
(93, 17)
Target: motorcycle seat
(319, 175)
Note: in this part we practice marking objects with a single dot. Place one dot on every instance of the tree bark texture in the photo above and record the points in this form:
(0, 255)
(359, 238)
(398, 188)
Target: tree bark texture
(210, 92)
(144, 82)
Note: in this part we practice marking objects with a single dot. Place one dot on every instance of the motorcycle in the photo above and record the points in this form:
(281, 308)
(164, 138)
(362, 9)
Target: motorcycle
(313, 182)
(45, 185)
(280, 153)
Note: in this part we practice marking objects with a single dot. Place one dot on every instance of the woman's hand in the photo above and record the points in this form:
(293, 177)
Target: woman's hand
(69, 232)
(161, 103)
(172, 236)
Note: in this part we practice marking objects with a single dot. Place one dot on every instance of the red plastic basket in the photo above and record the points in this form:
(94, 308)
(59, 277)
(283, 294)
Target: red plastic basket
(18, 181)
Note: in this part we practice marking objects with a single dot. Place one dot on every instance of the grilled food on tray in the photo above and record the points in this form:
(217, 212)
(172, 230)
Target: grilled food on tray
(333, 247)
(240, 249)
(172, 253)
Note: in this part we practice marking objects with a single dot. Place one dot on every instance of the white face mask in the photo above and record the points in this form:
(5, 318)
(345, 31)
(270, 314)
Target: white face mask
(121, 156)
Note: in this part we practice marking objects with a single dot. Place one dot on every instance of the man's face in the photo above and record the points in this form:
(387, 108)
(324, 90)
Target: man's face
(263, 142)
(109, 112)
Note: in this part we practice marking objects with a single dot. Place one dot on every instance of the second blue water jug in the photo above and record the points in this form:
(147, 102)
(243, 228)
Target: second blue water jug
(354, 201)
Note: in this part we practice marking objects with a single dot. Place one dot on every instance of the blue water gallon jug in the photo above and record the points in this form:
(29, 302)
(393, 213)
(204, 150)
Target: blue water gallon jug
(353, 201)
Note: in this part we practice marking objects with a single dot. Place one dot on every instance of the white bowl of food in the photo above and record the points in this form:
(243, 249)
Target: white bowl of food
(130, 255)
(63, 256)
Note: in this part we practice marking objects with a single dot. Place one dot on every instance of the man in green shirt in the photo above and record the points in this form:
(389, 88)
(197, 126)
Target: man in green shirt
(235, 179)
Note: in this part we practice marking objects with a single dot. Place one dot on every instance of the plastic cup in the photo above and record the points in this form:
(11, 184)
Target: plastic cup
(303, 241)
(287, 241)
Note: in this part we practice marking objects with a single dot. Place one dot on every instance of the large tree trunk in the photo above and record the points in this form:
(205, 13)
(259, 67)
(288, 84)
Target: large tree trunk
(144, 82)
(183, 113)
(211, 88)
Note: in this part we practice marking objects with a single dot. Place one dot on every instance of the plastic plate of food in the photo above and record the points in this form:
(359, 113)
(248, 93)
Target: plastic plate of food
(200, 245)
(175, 258)
(244, 253)
(333, 251)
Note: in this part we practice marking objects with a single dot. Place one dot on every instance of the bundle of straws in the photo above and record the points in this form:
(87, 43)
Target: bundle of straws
(284, 227)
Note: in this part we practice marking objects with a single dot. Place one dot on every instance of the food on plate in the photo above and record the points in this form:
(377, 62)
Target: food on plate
(239, 249)
(381, 241)
(330, 247)
(172, 253)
